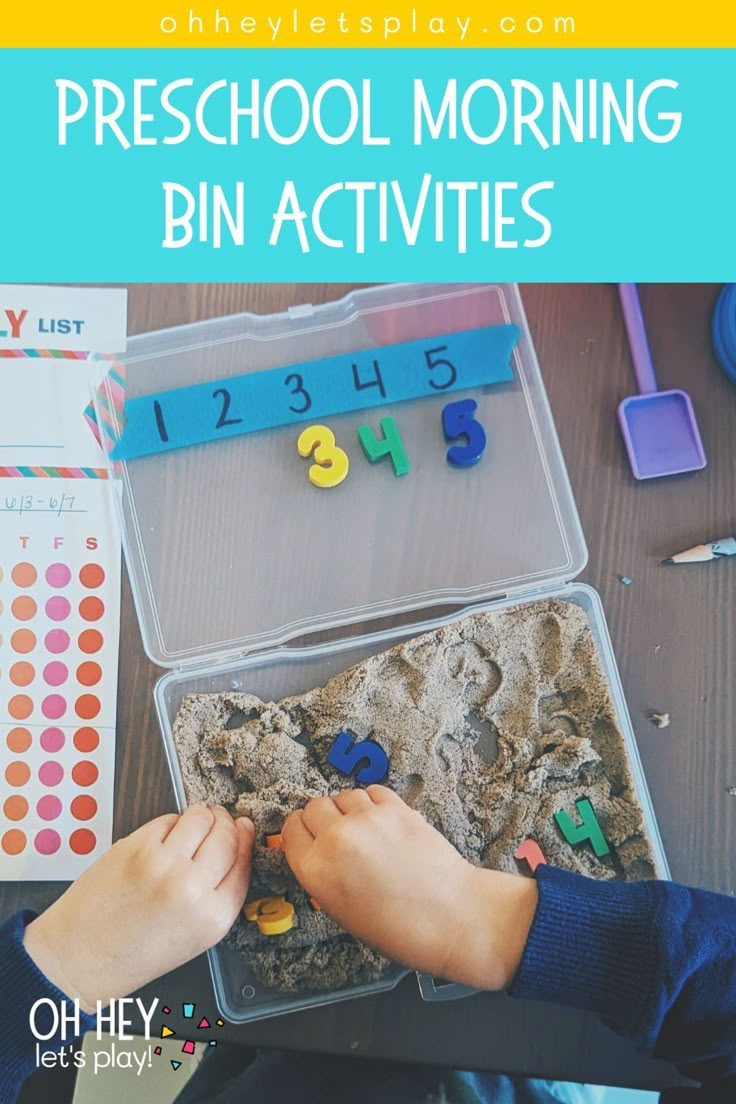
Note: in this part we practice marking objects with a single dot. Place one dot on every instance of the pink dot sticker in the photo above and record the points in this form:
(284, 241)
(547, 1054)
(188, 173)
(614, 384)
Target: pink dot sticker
(50, 773)
(57, 641)
(52, 740)
(53, 707)
(55, 673)
(58, 609)
(47, 841)
(49, 807)
(58, 575)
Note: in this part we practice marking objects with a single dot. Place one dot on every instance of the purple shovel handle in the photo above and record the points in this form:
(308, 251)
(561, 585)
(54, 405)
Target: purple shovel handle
(638, 342)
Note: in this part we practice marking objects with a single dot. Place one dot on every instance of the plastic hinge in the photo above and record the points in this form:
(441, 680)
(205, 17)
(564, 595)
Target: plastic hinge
(302, 310)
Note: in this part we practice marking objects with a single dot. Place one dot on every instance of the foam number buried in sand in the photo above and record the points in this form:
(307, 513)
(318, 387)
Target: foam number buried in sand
(273, 915)
(332, 463)
(588, 830)
(345, 755)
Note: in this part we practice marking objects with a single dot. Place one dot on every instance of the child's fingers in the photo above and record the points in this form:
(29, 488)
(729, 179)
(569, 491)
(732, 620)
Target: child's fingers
(320, 814)
(157, 829)
(297, 837)
(352, 801)
(381, 795)
(234, 885)
(219, 849)
(192, 828)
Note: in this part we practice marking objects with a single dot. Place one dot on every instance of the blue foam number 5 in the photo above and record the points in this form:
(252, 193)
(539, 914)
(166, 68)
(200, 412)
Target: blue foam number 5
(458, 421)
(345, 755)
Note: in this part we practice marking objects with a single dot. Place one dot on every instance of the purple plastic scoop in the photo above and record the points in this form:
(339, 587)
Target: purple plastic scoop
(659, 427)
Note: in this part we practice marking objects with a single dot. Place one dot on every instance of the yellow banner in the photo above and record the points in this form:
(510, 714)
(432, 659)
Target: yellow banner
(377, 23)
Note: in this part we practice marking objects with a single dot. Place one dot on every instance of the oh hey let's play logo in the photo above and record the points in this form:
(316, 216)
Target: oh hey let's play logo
(63, 1023)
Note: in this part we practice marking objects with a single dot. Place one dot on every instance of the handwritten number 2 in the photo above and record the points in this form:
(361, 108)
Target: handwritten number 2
(299, 389)
(223, 420)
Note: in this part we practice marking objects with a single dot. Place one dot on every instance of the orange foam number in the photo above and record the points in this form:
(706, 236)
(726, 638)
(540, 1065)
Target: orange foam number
(332, 463)
(275, 842)
(531, 853)
(274, 915)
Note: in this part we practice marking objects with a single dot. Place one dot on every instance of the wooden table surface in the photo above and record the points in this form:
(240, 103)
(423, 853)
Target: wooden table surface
(673, 632)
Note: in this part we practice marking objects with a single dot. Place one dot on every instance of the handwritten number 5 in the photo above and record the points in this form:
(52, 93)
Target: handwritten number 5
(440, 362)
(299, 389)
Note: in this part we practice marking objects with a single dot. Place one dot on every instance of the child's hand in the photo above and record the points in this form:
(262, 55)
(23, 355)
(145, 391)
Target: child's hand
(156, 899)
(388, 877)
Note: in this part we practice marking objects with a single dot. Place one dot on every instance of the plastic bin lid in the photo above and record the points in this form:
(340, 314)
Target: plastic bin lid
(231, 549)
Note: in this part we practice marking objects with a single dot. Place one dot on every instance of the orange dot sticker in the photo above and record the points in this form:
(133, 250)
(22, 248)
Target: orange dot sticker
(87, 707)
(91, 609)
(84, 807)
(17, 774)
(18, 740)
(24, 608)
(20, 707)
(85, 773)
(13, 842)
(15, 807)
(24, 575)
(91, 576)
(90, 641)
(22, 674)
(82, 841)
(89, 674)
(86, 739)
(23, 641)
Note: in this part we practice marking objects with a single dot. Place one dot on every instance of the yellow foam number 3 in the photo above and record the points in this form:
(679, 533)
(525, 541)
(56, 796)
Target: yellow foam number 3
(332, 463)
(274, 915)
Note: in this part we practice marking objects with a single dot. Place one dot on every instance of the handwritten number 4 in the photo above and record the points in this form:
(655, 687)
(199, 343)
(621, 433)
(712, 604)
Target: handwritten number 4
(346, 755)
(458, 421)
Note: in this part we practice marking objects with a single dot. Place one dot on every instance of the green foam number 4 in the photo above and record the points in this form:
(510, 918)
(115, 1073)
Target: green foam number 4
(588, 829)
(391, 445)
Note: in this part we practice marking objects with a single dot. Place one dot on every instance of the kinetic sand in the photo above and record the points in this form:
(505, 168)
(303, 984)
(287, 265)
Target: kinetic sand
(492, 725)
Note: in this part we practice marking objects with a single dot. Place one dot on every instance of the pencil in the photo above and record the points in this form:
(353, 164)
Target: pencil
(702, 553)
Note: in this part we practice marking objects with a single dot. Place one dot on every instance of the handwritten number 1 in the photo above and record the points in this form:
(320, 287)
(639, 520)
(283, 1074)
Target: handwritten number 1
(160, 423)
(299, 389)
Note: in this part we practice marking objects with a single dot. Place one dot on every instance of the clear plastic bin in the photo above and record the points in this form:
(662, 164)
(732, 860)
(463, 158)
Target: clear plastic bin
(232, 553)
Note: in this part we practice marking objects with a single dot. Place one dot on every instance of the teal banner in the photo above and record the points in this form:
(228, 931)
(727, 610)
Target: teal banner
(178, 165)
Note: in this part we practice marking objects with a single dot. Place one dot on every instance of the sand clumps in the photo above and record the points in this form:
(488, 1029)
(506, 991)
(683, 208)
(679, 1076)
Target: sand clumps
(491, 725)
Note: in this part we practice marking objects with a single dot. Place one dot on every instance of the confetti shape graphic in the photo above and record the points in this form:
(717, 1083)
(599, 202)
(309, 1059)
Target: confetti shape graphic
(175, 1065)
(204, 1022)
(188, 1011)
(166, 1011)
(157, 1050)
(219, 1022)
(188, 1047)
(166, 1031)
(213, 1042)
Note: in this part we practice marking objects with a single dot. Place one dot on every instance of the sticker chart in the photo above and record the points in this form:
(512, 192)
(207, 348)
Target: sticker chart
(60, 566)
(59, 599)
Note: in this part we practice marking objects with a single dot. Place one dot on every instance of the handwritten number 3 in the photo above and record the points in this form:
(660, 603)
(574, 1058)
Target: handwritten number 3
(299, 389)
(332, 463)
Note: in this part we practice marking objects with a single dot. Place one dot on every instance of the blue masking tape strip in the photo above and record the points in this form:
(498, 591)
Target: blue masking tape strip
(724, 330)
(315, 390)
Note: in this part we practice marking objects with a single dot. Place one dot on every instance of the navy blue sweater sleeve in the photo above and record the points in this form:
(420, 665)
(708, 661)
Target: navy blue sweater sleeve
(656, 961)
(21, 985)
